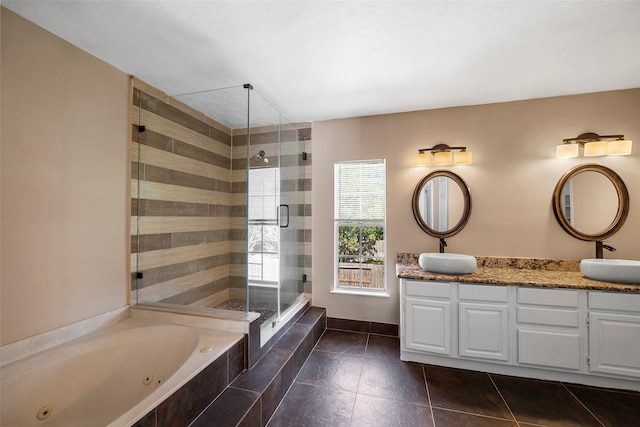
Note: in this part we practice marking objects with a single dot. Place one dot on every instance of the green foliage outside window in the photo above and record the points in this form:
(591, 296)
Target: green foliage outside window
(352, 238)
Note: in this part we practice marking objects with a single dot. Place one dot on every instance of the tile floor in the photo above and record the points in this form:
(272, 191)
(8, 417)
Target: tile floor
(357, 379)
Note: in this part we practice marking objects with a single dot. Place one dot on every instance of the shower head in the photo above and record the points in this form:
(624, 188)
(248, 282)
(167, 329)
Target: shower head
(261, 157)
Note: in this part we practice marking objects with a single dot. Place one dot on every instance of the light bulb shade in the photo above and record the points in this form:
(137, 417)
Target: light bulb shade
(421, 159)
(596, 148)
(462, 158)
(619, 148)
(565, 151)
(442, 158)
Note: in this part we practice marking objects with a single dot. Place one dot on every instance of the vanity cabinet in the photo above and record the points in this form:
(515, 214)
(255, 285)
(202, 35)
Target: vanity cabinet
(571, 335)
(428, 317)
(614, 334)
(548, 329)
(483, 322)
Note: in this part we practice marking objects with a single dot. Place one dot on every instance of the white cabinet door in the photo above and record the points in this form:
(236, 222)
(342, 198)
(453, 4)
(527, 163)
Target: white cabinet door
(614, 343)
(549, 348)
(428, 325)
(483, 331)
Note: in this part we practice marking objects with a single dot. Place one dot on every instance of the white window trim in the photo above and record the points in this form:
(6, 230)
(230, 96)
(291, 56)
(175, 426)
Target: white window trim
(361, 292)
(336, 289)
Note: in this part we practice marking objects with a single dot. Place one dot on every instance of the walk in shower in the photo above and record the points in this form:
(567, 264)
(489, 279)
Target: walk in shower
(218, 204)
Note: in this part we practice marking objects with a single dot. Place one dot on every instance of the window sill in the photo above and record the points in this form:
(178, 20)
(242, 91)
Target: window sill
(361, 293)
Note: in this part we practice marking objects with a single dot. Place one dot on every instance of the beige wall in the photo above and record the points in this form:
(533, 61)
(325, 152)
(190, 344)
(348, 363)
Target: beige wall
(511, 182)
(64, 182)
(65, 164)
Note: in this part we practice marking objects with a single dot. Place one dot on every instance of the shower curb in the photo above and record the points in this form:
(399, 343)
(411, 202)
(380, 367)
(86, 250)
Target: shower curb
(252, 398)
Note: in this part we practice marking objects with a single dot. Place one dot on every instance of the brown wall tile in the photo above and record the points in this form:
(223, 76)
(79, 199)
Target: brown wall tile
(171, 113)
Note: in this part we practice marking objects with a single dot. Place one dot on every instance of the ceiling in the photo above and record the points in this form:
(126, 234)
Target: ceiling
(320, 60)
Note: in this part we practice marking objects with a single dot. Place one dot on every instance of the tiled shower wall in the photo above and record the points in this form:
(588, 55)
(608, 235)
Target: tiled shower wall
(188, 203)
(183, 221)
(295, 190)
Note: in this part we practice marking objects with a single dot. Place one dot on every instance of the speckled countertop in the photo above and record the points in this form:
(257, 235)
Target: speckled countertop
(537, 272)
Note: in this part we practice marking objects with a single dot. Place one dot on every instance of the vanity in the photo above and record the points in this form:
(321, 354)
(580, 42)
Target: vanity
(534, 318)
(528, 317)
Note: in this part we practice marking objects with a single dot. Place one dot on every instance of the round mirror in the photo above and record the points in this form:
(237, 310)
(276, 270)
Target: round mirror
(441, 204)
(591, 202)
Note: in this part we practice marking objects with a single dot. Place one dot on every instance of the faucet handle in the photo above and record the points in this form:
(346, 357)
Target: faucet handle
(443, 244)
(609, 248)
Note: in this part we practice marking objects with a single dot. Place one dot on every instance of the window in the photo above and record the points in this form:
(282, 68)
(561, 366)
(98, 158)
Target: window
(263, 238)
(360, 199)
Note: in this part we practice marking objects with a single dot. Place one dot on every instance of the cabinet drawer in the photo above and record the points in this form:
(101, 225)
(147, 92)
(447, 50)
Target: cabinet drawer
(550, 297)
(483, 293)
(614, 301)
(547, 316)
(426, 288)
(549, 349)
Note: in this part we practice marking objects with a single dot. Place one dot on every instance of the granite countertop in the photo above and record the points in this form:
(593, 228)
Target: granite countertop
(535, 272)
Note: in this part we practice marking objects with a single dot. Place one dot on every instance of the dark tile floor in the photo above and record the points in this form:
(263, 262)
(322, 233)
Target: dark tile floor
(357, 379)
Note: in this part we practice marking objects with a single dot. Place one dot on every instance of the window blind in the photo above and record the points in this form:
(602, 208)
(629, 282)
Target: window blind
(360, 191)
(263, 193)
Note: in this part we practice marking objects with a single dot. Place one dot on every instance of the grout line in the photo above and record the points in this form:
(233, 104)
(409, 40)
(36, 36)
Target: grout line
(341, 353)
(503, 399)
(347, 330)
(426, 385)
(279, 403)
(583, 405)
(296, 376)
(481, 415)
(326, 388)
(366, 345)
(391, 399)
(362, 332)
(384, 335)
(353, 408)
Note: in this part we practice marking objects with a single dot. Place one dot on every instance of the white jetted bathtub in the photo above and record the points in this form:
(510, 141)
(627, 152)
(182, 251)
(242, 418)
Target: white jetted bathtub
(111, 377)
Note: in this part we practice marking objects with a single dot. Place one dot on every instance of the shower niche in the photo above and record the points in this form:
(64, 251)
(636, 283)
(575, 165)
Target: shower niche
(218, 205)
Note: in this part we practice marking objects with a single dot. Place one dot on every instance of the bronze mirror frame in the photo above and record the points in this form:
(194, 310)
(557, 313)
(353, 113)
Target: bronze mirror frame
(623, 202)
(466, 213)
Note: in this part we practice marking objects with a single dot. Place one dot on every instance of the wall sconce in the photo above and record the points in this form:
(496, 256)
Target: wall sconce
(442, 156)
(594, 146)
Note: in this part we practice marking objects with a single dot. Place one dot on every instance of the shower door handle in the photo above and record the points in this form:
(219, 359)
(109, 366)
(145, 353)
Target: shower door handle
(281, 217)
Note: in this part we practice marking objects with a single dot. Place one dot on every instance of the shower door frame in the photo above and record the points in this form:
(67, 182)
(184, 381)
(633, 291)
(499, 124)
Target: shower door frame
(290, 225)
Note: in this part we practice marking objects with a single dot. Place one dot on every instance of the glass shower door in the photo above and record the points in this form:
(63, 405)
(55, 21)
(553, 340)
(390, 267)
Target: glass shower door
(276, 209)
(291, 212)
(263, 199)
(263, 241)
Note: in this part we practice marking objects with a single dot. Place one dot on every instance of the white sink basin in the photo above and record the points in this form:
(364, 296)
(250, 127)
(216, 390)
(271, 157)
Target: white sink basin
(447, 263)
(611, 270)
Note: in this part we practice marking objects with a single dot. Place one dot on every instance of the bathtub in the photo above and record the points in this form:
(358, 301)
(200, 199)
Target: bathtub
(110, 377)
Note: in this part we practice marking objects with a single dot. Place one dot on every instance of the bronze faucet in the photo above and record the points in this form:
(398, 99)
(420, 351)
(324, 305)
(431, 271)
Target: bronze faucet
(600, 246)
(443, 244)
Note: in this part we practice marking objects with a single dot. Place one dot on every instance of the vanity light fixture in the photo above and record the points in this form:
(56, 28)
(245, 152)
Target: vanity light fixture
(421, 159)
(594, 145)
(463, 157)
(442, 158)
(442, 155)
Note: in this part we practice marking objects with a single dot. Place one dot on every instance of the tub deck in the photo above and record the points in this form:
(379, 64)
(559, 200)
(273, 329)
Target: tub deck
(250, 398)
(112, 375)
